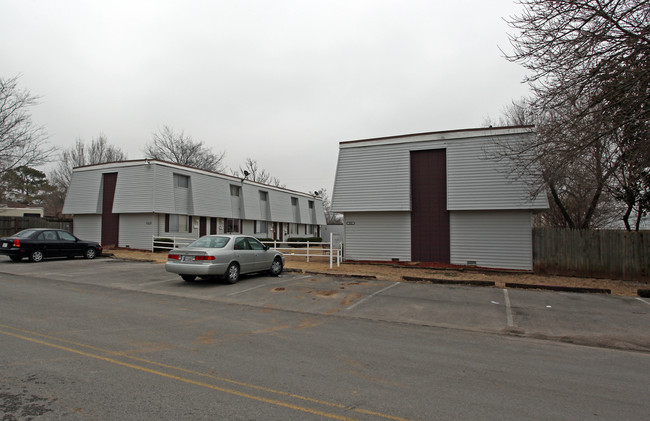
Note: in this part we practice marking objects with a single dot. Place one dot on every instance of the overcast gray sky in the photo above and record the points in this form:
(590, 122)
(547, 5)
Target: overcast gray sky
(282, 82)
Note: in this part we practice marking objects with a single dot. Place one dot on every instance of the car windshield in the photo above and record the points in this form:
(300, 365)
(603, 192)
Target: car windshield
(24, 234)
(212, 242)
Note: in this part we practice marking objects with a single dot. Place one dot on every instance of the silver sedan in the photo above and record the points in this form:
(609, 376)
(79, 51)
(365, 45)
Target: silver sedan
(224, 255)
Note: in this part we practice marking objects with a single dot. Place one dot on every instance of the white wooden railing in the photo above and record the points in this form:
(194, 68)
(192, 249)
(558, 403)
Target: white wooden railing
(169, 243)
(309, 249)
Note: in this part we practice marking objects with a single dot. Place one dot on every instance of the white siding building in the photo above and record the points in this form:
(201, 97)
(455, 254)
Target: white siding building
(128, 203)
(436, 197)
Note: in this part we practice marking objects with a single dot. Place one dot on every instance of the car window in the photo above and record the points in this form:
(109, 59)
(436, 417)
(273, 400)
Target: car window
(64, 235)
(241, 244)
(210, 242)
(47, 235)
(255, 245)
(25, 233)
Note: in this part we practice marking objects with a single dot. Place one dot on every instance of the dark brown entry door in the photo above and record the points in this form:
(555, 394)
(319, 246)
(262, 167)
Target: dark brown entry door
(203, 226)
(429, 215)
(110, 220)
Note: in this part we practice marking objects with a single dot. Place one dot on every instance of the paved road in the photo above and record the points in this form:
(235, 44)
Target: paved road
(109, 339)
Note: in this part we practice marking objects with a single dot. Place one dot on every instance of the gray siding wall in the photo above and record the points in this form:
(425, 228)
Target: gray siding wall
(144, 188)
(164, 189)
(379, 236)
(210, 196)
(377, 177)
(84, 194)
(494, 239)
(476, 180)
(251, 196)
(372, 178)
(134, 189)
(136, 231)
(320, 213)
(280, 204)
(88, 227)
(305, 215)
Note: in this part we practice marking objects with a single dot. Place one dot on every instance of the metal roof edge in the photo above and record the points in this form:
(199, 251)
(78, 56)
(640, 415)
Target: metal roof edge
(439, 135)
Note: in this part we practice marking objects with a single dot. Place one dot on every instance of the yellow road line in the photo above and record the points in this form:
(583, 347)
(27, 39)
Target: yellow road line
(194, 382)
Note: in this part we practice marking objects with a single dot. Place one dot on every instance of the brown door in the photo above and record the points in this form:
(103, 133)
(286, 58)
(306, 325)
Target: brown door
(110, 220)
(429, 215)
(213, 225)
(203, 226)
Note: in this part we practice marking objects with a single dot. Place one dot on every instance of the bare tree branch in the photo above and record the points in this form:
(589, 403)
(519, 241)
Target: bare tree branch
(167, 145)
(21, 142)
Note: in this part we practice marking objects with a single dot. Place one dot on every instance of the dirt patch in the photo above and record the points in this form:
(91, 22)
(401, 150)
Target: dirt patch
(393, 273)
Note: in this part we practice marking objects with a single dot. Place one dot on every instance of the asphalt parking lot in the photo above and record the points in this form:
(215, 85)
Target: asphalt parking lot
(594, 320)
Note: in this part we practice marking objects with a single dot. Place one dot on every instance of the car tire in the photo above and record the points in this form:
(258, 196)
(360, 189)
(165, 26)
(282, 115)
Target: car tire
(188, 278)
(276, 267)
(90, 253)
(232, 273)
(16, 258)
(36, 256)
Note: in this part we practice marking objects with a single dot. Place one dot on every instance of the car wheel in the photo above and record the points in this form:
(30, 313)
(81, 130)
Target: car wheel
(188, 278)
(16, 258)
(36, 256)
(232, 273)
(90, 253)
(276, 267)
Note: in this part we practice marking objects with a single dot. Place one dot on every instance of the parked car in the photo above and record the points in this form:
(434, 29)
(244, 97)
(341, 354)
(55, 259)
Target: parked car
(39, 243)
(224, 255)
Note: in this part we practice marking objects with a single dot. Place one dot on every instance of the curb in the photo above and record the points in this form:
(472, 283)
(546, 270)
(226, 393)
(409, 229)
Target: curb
(449, 281)
(340, 275)
(559, 288)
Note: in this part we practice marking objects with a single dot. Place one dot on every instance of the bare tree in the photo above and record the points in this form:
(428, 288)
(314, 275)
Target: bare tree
(22, 143)
(252, 171)
(596, 47)
(167, 145)
(97, 152)
(331, 218)
(590, 64)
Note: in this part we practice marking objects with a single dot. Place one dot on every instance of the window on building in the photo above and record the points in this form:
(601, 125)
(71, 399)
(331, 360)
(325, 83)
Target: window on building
(233, 226)
(293, 228)
(177, 223)
(261, 227)
(264, 196)
(310, 230)
(294, 201)
(235, 190)
(181, 181)
(311, 204)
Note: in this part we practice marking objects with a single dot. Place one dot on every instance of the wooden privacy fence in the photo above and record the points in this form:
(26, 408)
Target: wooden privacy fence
(10, 225)
(611, 254)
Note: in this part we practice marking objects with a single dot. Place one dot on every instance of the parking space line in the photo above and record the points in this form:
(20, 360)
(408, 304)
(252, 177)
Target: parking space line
(643, 301)
(508, 309)
(258, 286)
(366, 298)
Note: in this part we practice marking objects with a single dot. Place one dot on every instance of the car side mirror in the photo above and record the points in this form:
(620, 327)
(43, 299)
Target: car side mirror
(266, 247)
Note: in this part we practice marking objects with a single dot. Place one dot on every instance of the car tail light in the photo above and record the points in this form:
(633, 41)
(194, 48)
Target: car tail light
(203, 258)
(173, 257)
(16, 243)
